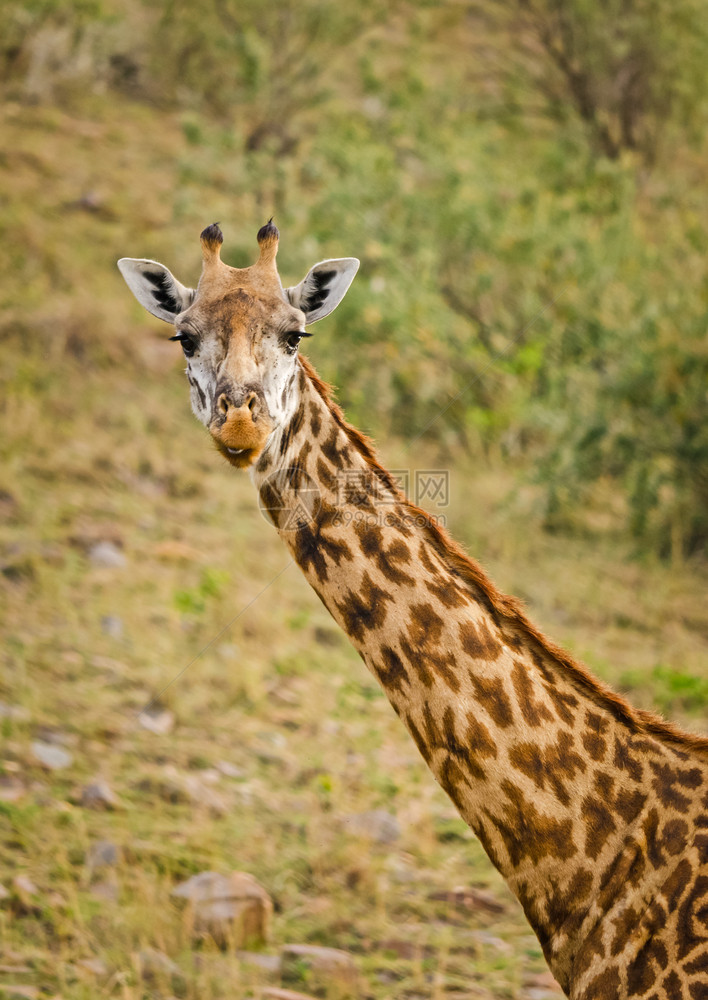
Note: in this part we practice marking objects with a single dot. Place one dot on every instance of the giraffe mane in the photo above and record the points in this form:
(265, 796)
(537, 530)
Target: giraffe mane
(508, 612)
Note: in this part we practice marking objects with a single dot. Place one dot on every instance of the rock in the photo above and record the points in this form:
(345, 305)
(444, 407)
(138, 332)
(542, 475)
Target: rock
(230, 770)
(112, 625)
(106, 554)
(235, 910)
(13, 712)
(98, 794)
(323, 969)
(102, 854)
(116, 668)
(492, 941)
(157, 719)
(25, 895)
(93, 965)
(277, 993)
(11, 790)
(541, 986)
(175, 787)
(155, 964)
(376, 824)
(50, 756)
(469, 898)
(25, 889)
(200, 794)
(4, 894)
(191, 788)
(11, 990)
(406, 948)
(269, 964)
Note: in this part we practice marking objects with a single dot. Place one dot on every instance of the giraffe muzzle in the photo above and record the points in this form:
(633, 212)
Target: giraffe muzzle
(240, 431)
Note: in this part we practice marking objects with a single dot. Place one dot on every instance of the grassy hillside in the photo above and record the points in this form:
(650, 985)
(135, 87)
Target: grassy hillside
(136, 568)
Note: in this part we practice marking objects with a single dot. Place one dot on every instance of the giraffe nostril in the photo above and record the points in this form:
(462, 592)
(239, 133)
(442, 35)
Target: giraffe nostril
(223, 404)
(251, 401)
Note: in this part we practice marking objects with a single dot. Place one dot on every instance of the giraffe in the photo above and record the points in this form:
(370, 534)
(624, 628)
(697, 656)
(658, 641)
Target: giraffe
(594, 812)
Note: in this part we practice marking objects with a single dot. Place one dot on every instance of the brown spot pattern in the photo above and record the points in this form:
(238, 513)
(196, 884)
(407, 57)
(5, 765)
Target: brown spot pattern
(549, 767)
(478, 641)
(527, 833)
(364, 609)
(388, 559)
(593, 737)
(492, 696)
(535, 712)
(390, 670)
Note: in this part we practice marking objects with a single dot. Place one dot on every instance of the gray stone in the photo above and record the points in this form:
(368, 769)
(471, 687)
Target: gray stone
(11, 789)
(155, 964)
(107, 554)
(173, 786)
(50, 756)
(323, 969)
(200, 794)
(98, 794)
(93, 965)
(277, 993)
(269, 964)
(157, 719)
(112, 625)
(376, 824)
(234, 910)
(24, 888)
(469, 898)
(13, 712)
(103, 854)
(230, 770)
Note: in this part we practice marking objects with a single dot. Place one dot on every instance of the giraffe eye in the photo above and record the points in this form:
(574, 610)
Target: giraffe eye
(293, 339)
(189, 345)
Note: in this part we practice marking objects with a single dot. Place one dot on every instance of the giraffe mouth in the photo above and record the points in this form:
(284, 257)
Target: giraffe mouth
(240, 458)
(240, 438)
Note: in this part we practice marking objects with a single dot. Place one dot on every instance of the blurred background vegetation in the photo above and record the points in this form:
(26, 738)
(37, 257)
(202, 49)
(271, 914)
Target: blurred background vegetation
(524, 181)
(526, 184)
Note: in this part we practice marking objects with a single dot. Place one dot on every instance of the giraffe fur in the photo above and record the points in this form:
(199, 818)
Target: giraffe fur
(595, 812)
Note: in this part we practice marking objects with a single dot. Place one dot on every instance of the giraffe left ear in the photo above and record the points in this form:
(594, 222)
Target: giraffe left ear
(155, 287)
(323, 287)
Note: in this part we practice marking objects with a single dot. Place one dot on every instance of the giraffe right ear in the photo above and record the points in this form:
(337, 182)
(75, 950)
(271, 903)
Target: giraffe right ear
(156, 288)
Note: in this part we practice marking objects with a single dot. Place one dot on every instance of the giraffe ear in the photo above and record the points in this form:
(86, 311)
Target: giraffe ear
(156, 288)
(323, 287)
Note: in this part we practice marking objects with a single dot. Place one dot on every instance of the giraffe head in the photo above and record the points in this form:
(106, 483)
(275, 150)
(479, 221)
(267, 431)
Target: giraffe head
(240, 331)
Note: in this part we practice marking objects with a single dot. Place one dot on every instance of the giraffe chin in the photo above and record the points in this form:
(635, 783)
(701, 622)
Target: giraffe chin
(240, 458)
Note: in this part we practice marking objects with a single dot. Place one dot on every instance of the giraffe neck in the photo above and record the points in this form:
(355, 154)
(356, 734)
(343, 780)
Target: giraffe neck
(565, 785)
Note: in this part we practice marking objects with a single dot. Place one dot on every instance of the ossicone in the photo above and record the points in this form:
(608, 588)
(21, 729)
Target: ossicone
(268, 234)
(211, 239)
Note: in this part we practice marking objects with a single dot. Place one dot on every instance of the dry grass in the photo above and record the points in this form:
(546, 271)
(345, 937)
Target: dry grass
(98, 444)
